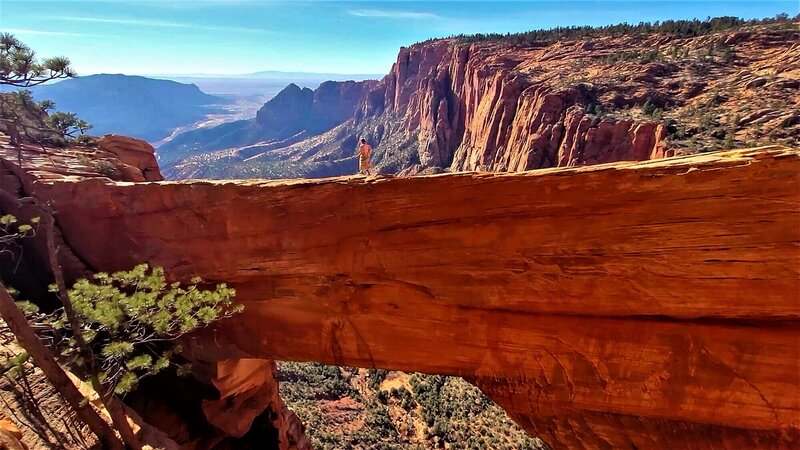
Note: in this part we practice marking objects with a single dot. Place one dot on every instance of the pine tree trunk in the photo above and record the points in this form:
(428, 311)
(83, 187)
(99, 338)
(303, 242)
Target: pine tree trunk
(112, 404)
(16, 320)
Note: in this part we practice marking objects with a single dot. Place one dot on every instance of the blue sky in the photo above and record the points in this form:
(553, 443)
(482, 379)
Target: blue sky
(243, 36)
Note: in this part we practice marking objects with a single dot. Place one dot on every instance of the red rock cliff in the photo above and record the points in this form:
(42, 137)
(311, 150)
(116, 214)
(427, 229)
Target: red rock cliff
(473, 106)
(246, 389)
(506, 107)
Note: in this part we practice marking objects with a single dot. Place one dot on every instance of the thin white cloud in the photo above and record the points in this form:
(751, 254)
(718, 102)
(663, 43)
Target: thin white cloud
(392, 14)
(158, 23)
(190, 4)
(25, 31)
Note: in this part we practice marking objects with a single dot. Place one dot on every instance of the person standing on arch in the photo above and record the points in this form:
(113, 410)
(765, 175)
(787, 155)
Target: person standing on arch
(364, 153)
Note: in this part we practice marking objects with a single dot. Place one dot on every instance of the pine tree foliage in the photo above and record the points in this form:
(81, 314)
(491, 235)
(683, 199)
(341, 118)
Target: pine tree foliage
(11, 231)
(678, 28)
(131, 319)
(67, 123)
(20, 67)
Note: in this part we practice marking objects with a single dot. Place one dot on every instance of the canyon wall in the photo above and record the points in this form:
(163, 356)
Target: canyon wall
(649, 305)
(494, 105)
(471, 106)
(501, 106)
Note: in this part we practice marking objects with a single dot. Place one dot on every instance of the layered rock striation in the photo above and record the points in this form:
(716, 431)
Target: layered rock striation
(647, 305)
(472, 106)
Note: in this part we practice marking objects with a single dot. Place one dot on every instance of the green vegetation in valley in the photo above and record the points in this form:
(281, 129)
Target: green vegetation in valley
(349, 408)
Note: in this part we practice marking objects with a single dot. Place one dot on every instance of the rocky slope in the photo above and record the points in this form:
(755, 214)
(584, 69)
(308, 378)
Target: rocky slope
(650, 305)
(456, 105)
(293, 115)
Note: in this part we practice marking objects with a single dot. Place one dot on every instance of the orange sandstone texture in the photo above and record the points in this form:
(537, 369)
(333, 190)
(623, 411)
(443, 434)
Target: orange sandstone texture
(646, 305)
(119, 158)
(133, 152)
(247, 388)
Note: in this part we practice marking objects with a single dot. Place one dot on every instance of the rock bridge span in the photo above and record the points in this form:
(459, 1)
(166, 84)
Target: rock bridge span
(630, 305)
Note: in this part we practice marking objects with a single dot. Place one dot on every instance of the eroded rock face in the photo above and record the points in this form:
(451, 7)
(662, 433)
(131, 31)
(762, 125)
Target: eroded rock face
(247, 388)
(291, 105)
(471, 108)
(132, 152)
(651, 305)
(243, 389)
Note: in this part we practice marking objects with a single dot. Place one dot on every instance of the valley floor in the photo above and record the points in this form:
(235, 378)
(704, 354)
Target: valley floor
(241, 107)
(348, 408)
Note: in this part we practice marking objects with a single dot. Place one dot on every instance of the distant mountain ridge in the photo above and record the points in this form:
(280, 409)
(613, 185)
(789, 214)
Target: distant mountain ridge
(292, 115)
(137, 106)
(280, 75)
(266, 84)
(313, 75)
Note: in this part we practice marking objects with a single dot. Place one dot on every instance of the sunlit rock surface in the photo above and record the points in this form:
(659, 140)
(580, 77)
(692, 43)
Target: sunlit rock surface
(648, 304)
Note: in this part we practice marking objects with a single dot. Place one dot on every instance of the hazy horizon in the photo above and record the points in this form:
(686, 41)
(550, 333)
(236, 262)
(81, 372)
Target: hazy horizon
(255, 74)
(225, 38)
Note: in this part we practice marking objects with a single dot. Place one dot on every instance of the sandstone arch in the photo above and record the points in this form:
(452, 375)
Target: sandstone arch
(631, 305)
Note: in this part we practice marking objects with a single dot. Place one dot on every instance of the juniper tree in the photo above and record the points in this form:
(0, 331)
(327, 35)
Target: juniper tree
(131, 319)
(113, 329)
(68, 124)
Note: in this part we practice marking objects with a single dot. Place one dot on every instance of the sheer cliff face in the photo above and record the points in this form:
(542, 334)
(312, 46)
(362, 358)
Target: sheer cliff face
(468, 107)
(506, 108)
